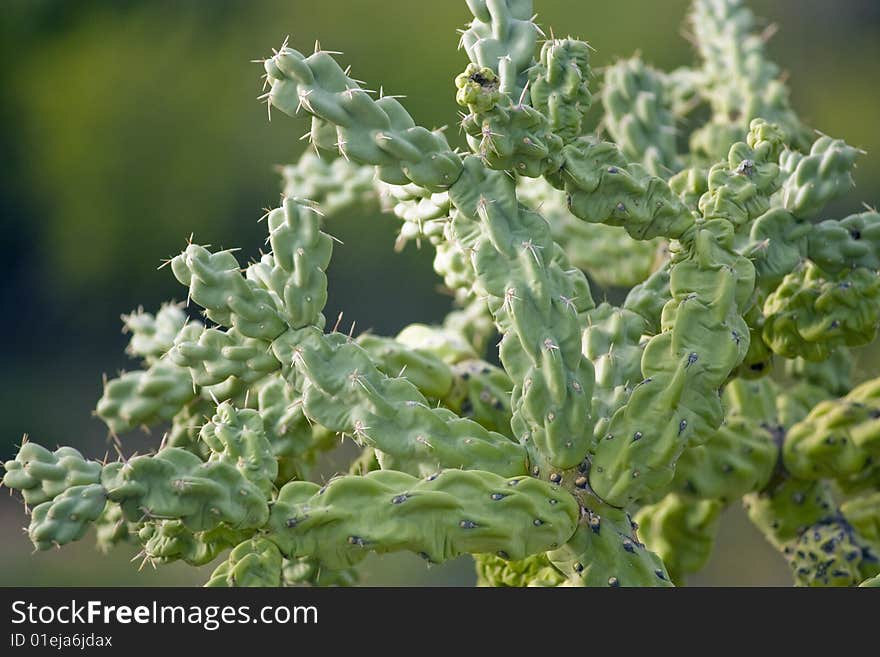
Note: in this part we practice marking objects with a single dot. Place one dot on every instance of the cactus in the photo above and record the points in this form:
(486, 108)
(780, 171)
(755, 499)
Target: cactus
(603, 449)
(681, 531)
(254, 562)
(736, 79)
(535, 570)
(638, 115)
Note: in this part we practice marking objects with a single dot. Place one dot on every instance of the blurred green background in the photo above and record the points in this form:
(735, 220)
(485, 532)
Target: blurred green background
(126, 125)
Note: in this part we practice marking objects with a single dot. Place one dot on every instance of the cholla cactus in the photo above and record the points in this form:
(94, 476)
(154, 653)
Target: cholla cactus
(655, 414)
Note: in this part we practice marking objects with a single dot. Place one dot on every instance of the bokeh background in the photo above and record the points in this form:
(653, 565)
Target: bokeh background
(126, 125)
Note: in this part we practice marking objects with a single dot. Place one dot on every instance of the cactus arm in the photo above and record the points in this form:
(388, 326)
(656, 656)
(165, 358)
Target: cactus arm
(346, 392)
(172, 484)
(389, 414)
(812, 313)
(509, 134)
(613, 343)
(67, 517)
(152, 336)
(40, 475)
(201, 364)
(831, 553)
(167, 541)
(378, 132)
(254, 562)
(740, 457)
(820, 176)
(839, 438)
(799, 516)
(471, 388)
(214, 356)
(594, 248)
(427, 372)
(681, 531)
(802, 520)
(741, 187)
(237, 437)
(638, 116)
(703, 340)
(334, 186)
(164, 389)
(737, 79)
(560, 86)
(602, 187)
(176, 484)
(440, 517)
(229, 299)
(605, 551)
(292, 278)
(537, 302)
(295, 272)
(848, 243)
(783, 237)
(535, 570)
(145, 397)
(491, 234)
(286, 289)
(502, 37)
(807, 309)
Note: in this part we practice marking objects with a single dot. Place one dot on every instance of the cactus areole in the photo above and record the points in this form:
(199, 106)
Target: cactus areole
(604, 447)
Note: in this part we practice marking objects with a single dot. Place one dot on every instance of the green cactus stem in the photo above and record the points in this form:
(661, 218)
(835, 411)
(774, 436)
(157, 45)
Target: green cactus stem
(605, 551)
(703, 340)
(839, 438)
(537, 302)
(255, 562)
(737, 79)
(594, 248)
(440, 517)
(535, 570)
(502, 37)
(638, 116)
(681, 531)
